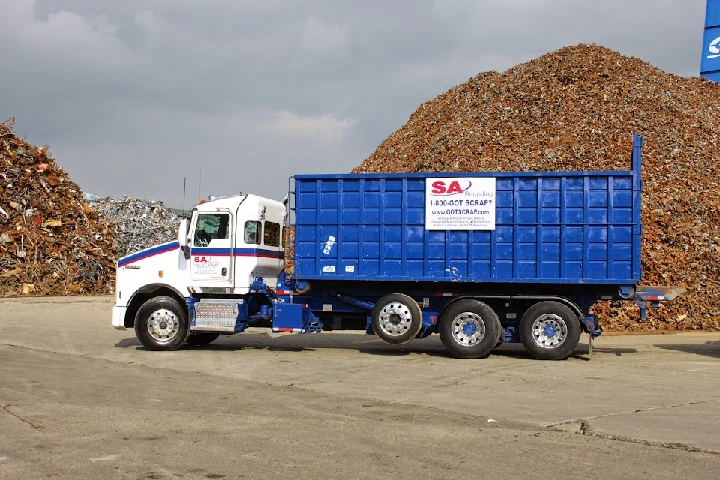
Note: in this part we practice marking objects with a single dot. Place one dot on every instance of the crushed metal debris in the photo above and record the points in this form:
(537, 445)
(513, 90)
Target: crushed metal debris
(137, 224)
(51, 241)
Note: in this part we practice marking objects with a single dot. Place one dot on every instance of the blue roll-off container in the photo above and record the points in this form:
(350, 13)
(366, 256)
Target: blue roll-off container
(550, 227)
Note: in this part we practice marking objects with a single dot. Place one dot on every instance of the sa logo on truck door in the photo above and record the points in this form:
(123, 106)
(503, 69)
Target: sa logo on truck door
(200, 260)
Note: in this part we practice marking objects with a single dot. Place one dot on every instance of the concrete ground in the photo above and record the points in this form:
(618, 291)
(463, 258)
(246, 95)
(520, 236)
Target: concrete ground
(79, 399)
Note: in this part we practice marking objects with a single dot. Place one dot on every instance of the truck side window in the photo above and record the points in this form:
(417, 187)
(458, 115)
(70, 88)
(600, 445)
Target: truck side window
(252, 232)
(272, 234)
(211, 226)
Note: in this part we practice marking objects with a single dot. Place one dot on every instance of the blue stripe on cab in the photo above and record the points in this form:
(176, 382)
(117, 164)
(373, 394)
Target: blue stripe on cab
(150, 252)
(218, 252)
(239, 252)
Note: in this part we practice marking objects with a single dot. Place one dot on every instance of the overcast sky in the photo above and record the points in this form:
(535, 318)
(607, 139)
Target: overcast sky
(131, 95)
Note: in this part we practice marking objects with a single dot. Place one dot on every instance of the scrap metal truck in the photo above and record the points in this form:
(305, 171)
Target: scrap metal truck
(479, 258)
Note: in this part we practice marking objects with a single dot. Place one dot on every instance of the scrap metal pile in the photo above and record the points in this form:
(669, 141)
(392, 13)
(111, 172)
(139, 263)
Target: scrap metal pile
(576, 109)
(289, 244)
(51, 242)
(137, 224)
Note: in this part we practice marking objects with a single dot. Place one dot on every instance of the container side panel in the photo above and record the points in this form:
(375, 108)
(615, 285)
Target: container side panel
(580, 227)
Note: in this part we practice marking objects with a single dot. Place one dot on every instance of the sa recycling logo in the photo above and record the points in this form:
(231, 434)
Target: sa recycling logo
(714, 48)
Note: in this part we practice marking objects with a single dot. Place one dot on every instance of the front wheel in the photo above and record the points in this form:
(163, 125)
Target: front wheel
(550, 331)
(161, 324)
(469, 329)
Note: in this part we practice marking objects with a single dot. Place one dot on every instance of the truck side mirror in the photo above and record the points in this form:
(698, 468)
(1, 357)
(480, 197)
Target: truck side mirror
(183, 237)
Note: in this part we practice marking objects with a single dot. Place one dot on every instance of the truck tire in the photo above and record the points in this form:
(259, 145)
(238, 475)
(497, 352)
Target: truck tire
(202, 338)
(550, 331)
(396, 318)
(469, 329)
(161, 324)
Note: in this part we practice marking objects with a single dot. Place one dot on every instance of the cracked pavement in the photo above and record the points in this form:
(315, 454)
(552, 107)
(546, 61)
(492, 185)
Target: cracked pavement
(643, 404)
(6, 408)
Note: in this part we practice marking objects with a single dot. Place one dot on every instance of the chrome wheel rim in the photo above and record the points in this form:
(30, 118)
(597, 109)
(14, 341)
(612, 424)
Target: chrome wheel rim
(395, 319)
(549, 330)
(163, 325)
(468, 329)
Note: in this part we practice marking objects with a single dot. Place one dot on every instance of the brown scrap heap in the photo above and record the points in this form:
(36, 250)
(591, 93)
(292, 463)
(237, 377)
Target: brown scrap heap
(51, 242)
(289, 244)
(576, 109)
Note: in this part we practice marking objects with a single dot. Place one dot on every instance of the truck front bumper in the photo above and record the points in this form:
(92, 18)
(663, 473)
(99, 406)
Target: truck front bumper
(118, 317)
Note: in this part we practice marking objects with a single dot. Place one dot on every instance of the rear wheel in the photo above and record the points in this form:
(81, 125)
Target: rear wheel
(396, 318)
(202, 338)
(550, 331)
(469, 329)
(161, 324)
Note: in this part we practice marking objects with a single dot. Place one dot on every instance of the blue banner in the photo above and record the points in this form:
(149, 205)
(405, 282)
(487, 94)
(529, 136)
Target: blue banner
(710, 61)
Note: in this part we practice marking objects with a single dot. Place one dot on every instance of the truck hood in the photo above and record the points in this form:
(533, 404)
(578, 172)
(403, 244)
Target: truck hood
(160, 265)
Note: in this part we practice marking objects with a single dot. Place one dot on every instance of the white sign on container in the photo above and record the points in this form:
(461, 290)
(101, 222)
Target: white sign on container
(460, 203)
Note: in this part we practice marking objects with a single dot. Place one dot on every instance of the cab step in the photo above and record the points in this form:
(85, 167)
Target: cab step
(216, 315)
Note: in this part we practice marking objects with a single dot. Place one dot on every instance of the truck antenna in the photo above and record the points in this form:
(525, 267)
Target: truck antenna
(183, 195)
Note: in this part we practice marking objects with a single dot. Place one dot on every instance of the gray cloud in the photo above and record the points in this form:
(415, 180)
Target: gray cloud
(132, 96)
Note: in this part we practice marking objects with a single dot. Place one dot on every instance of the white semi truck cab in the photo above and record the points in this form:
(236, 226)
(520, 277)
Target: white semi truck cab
(221, 250)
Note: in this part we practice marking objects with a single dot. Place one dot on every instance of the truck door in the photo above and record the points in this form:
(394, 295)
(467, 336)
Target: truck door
(212, 254)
